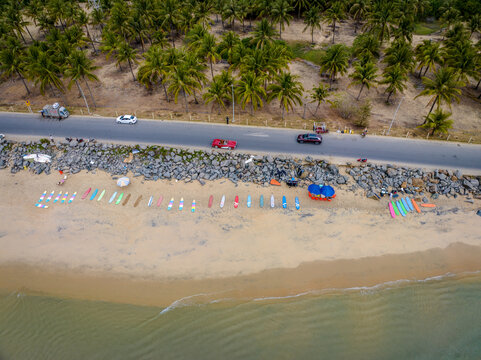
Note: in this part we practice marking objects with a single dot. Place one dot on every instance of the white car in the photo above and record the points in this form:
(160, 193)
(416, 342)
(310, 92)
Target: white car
(126, 119)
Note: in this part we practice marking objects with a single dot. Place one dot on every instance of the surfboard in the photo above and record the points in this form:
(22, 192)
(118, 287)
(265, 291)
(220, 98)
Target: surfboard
(94, 194)
(236, 201)
(284, 202)
(298, 205)
(222, 201)
(42, 206)
(57, 197)
(416, 206)
(405, 204)
(249, 201)
(86, 193)
(137, 202)
(119, 198)
(272, 201)
(193, 205)
(50, 196)
(396, 211)
(171, 202)
(72, 198)
(160, 200)
(391, 210)
(101, 195)
(409, 202)
(126, 200)
(211, 200)
(399, 206)
(428, 205)
(112, 197)
(181, 204)
(64, 198)
(402, 206)
(261, 201)
(42, 196)
(150, 201)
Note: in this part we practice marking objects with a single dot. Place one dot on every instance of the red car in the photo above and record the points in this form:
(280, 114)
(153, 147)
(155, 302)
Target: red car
(224, 144)
(309, 138)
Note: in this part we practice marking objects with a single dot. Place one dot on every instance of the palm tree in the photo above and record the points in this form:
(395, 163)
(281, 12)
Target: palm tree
(181, 81)
(12, 63)
(230, 12)
(195, 36)
(287, 89)
(300, 4)
(400, 52)
(381, 15)
(83, 19)
(366, 46)
(196, 68)
(75, 70)
(110, 42)
(438, 121)
(312, 19)
(358, 11)
(462, 57)
(126, 53)
(263, 33)
(335, 61)
(154, 70)
(365, 75)
(264, 8)
(226, 47)
(170, 15)
(46, 72)
(395, 77)
(97, 18)
(318, 95)
(335, 14)
(428, 54)
(474, 24)
(250, 90)
(280, 14)
(208, 50)
(443, 88)
(218, 92)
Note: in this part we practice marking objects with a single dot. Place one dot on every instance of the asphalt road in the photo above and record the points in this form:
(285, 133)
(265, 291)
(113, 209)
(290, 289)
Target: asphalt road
(375, 148)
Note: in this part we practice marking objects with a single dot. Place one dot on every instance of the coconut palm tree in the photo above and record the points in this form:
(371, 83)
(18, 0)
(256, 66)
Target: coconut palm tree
(263, 33)
(400, 52)
(264, 8)
(438, 121)
(181, 81)
(82, 19)
(381, 16)
(395, 78)
(126, 53)
(462, 56)
(249, 89)
(208, 50)
(335, 14)
(154, 70)
(230, 12)
(196, 67)
(195, 36)
(75, 69)
(287, 89)
(312, 20)
(84, 67)
(226, 47)
(318, 95)
(280, 14)
(46, 72)
(364, 75)
(335, 61)
(110, 42)
(170, 14)
(358, 10)
(443, 88)
(97, 18)
(366, 46)
(118, 21)
(428, 54)
(12, 63)
(300, 4)
(218, 92)
(474, 24)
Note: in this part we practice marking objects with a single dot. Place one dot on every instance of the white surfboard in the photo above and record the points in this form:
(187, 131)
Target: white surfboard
(272, 201)
(222, 202)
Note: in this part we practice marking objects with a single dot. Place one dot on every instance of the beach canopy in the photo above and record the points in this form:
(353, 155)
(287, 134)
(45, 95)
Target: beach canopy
(314, 189)
(123, 181)
(327, 191)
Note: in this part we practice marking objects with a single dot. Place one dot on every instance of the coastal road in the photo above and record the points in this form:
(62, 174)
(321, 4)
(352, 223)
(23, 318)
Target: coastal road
(375, 148)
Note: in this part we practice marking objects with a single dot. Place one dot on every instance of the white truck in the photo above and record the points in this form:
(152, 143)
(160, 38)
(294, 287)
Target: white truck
(54, 111)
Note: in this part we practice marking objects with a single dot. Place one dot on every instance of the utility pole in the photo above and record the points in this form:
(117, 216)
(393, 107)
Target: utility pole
(233, 105)
(394, 117)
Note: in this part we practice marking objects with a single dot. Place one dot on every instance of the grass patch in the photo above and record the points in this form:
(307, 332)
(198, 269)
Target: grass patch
(425, 28)
(304, 50)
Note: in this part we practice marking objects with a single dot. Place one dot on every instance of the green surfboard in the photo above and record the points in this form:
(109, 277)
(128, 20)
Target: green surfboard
(395, 208)
(119, 199)
(101, 196)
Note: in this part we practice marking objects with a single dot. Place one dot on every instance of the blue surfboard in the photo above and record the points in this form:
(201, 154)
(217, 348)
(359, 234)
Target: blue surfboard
(398, 204)
(406, 206)
(261, 201)
(410, 203)
(113, 197)
(298, 206)
(94, 194)
(284, 202)
(249, 201)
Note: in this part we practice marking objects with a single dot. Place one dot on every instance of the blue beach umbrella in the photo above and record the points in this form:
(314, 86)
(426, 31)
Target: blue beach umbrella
(123, 181)
(314, 189)
(327, 191)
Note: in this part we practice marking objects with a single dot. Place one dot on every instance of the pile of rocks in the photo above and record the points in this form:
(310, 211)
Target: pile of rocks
(156, 162)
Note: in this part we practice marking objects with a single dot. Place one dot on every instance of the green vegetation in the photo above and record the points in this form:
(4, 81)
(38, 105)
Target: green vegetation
(425, 28)
(304, 50)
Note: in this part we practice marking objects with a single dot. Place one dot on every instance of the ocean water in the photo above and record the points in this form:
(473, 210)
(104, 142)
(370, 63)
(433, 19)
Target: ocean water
(438, 318)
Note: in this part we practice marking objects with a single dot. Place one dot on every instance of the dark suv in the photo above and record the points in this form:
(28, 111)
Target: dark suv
(309, 138)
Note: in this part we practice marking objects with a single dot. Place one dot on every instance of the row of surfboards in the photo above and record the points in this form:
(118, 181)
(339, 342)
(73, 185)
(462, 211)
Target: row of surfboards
(404, 206)
(117, 200)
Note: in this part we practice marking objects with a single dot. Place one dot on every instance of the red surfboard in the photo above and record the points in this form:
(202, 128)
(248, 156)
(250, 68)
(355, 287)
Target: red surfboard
(236, 201)
(86, 193)
(211, 200)
(160, 200)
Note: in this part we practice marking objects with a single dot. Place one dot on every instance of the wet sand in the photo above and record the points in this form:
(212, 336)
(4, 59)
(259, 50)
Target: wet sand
(148, 255)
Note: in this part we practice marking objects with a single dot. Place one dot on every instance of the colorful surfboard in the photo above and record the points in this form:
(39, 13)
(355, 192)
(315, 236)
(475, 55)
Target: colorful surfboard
(72, 198)
(64, 198)
(94, 194)
(284, 202)
(119, 199)
(126, 200)
(211, 200)
(396, 211)
(57, 197)
(42, 196)
(181, 204)
(193, 205)
(84, 196)
(391, 210)
(298, 205)
(249, 201)
(416, 206)
(137, 202)
(42, 206)
(261, 201)
(50, 196)
(222, 201)
(402, 206)
(410, 204)
(428, 205)
(236, 201)
(171, 203)
(399, 206)
(272, 201)
(101, 195)
(150, 201)
(160, 200)
(405, 204)
(112, 197)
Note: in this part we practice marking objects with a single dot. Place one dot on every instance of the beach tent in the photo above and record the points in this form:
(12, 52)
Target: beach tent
(123, 181)
(317, 192)
(327, 191)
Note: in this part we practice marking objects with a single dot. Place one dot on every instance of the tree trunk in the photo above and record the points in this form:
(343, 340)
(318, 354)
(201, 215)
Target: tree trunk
(165, 91)
(331, 78)
(420, 70)
(312, 35)
(282, 114)
(31, 37)
(24, 83)
(211, 70)
(425, 71)
(430, 110)
(22, 37)
(478, 84)
(252, 108)
(317, 108)
(130, 65)
(83, 96)
(142, 43)
(389, 96)
(90, 92)
(186, 104)
(434, 129)
(280, 31)
(333, 30)
(120, 66)
(90, 38)
(360, 91)
(172, 34)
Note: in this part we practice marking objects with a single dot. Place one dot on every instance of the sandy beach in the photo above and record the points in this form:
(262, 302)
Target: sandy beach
(148, 255)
